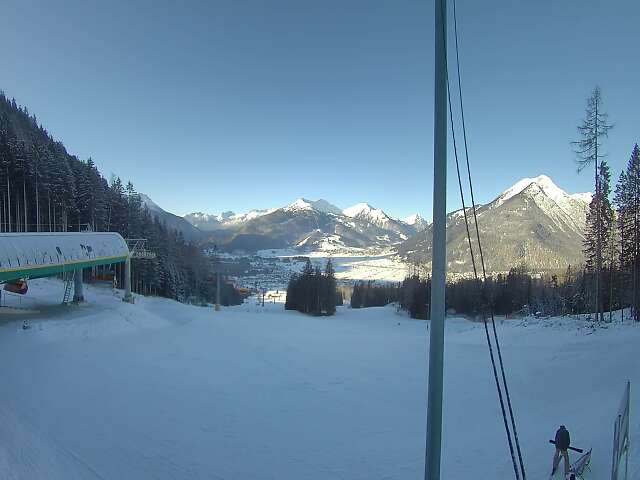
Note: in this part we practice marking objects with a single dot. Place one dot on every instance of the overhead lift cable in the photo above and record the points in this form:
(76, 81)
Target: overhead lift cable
(518, 471)
(484, 317)
(484, 272)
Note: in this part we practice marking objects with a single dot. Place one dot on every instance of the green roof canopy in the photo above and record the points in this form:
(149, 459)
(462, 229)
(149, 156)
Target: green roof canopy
(34, 255)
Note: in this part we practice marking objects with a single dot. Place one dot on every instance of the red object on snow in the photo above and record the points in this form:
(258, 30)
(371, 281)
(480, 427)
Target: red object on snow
(17, 286)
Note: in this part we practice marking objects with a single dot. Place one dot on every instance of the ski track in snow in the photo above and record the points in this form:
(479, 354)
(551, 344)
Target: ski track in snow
(160, 390)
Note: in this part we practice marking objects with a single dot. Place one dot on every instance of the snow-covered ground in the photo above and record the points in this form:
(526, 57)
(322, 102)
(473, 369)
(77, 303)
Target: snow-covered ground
(351, 264)
(168, 391)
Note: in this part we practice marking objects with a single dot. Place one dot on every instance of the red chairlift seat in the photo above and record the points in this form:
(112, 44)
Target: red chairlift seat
(17, 286)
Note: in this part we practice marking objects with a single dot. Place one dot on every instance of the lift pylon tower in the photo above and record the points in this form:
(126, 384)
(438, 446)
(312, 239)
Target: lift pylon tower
(217, 269)
(137, 249)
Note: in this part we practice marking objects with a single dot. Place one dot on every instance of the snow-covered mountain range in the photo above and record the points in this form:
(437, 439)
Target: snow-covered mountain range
(307, 225)
(534, 222)
(359, 213)
(210, 222)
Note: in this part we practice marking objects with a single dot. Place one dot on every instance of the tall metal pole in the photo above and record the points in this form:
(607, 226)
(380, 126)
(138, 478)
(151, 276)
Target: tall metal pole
(438, 265)
(218, 289)
(78, 293)
(216, 266)
(128, 297)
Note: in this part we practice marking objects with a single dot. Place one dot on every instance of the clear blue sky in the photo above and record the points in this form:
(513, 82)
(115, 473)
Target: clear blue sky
(242, 104)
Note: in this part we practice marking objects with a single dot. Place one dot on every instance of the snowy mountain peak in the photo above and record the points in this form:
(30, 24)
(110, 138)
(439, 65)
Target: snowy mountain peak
(227, 219)
(319, 205)
(299, 204)
(413, 219)
(198, 214)
(542, 181)
(558, 205)
(364, 210)
(416, 221)
(545, 184)
(201, 216)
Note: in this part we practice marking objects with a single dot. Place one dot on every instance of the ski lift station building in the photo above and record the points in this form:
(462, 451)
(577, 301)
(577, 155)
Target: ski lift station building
(29, 255)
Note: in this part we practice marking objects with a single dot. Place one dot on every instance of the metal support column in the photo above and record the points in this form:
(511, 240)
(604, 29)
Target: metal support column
(78, 292)
(128, 297)
(438, 275)
(217, 291)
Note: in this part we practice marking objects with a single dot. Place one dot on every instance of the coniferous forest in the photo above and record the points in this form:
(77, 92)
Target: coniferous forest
(369, 294)
(521, 292)
(44, 188)
(313, 291)
(518, 292)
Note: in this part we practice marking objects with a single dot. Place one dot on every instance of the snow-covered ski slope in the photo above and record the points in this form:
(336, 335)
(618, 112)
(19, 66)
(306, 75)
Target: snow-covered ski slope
(159, 390)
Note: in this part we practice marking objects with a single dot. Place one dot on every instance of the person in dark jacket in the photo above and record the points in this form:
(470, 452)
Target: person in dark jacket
(563, 440)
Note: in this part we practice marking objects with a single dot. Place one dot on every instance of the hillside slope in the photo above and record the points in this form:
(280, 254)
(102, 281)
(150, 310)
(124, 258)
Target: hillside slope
(533, 223)
(173, 222)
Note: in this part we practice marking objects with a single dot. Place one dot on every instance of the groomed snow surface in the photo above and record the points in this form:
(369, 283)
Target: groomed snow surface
(160, 390)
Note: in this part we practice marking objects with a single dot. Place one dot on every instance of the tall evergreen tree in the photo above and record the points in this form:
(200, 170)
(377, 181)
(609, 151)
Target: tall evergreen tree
(318, 291)
(329, 289)
(356, 296)
(627, 201)
(588, 149)
(599, 224)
